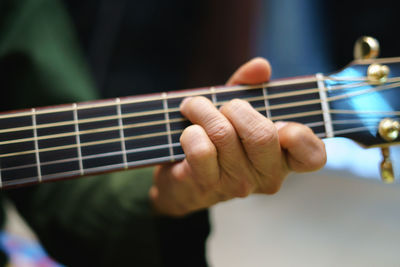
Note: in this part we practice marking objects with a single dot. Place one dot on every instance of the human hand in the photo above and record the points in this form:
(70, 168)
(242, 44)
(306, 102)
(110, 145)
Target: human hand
(233, 152)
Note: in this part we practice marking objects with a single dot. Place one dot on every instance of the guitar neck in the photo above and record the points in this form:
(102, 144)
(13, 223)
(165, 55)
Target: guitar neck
(79, 139)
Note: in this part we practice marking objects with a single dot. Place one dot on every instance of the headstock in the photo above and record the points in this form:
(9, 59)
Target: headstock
(365, 101)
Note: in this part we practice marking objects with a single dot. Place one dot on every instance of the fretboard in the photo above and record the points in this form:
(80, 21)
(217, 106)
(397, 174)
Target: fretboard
(79, 139)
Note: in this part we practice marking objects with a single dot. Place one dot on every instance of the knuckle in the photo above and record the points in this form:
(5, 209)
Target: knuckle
(199, 100)
(233, 106)
(236, 103)
(272, 183)
(298, 133)
(261, 134)
(202, 152)
(273, 188)
(244, 188)
(193, 137)
(180, 210)
(221, 196)
(318, 159)
(221, 132)
(191, 105)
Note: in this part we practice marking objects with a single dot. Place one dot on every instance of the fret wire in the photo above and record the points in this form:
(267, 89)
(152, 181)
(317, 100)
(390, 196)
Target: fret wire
(154, 112)
(213, 96)
(121, 132)
(168, 126)
(266, 103)
(78, 138)
(36, 143)
(324, 105)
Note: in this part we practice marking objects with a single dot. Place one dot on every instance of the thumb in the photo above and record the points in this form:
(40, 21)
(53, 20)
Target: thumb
(257, 70)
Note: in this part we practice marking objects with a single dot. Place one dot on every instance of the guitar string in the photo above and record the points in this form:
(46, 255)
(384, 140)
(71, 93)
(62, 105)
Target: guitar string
(322, 134)
(157, 97)
(95, 156)
(145, 149)
(160, 122)
(175, 120)
(249, 99)
(156, 134)
(148, 113)
(162, 134)
(92, 170)
(289, 116)
(220, 90)
(342, 112)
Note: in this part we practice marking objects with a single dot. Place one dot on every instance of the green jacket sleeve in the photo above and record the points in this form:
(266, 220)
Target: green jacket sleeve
(95, 221)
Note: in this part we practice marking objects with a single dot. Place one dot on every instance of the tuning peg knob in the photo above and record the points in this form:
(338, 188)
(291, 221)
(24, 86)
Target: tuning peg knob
(377, 73)
(389, 129)
(366, 47)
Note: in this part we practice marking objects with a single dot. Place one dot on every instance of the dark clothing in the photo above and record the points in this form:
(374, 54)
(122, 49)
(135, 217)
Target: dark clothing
(96, 221)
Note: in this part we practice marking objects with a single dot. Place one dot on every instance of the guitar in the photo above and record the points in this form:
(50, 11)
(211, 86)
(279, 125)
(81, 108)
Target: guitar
(360, 102)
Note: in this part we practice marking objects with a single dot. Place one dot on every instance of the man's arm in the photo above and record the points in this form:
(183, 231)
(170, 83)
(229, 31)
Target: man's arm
(233, 151)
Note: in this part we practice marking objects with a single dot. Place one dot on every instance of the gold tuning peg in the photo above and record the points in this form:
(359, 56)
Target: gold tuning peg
(389, 130)
(366, 47)
(387, 173)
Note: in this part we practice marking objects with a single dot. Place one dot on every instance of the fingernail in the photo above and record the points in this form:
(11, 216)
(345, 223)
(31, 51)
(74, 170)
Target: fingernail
(280, 124)
(184, 101)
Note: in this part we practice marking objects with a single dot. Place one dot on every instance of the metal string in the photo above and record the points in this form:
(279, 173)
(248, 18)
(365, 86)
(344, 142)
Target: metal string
(144, 136)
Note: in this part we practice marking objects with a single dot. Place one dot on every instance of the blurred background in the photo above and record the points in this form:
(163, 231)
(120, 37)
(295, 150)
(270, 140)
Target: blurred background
(342, 215)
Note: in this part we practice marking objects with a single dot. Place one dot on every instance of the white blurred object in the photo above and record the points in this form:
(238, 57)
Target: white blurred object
(328, 218)
(346, 155)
